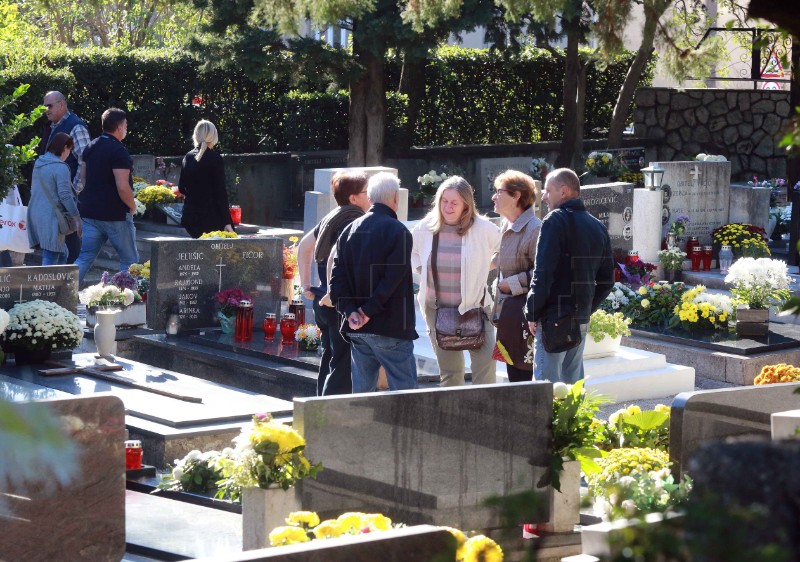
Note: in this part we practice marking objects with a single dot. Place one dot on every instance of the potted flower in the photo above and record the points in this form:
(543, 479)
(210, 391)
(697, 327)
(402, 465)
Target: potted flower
(637, 273)
(308, 336)
(38, 328)
(779, 220)
(676, 229)
(605, 334)
(539, 169)
(119, 292)
(153, 195)
(196, 472)
(429, 183)
(228, 301)
(267, 461)
(601, 167)
(219, 234)
(700, 310)
(141, 272)
(758, 284)
(672, 262)
(744, 240)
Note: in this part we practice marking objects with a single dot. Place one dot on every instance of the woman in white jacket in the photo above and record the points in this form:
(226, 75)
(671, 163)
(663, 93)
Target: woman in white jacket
(467, 242)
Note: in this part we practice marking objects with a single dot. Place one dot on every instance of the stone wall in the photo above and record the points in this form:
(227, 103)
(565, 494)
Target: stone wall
(743, 125)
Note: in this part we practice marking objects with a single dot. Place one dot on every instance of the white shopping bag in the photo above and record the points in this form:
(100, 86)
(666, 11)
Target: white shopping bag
(13, 223)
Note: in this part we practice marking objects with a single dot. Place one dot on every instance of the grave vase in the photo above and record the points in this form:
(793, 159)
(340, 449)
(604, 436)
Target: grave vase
(606, 347)
(673, 275)
(565, 505)
(105, 331)
(263, 509)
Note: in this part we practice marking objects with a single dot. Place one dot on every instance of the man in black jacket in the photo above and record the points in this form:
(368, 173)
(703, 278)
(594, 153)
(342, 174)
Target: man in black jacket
(372, 289)
(573, 271)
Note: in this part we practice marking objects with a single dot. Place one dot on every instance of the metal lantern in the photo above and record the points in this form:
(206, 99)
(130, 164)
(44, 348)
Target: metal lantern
(653, 177)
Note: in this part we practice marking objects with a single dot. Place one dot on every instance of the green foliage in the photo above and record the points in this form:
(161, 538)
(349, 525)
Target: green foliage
(603, 324)
(13, 157)
(632, 427)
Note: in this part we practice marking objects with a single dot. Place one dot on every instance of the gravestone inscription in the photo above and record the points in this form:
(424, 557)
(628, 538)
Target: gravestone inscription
(612, 204)
(633, 157)
(699, 190)
(54, 283)
(490, 168)
(186, 274)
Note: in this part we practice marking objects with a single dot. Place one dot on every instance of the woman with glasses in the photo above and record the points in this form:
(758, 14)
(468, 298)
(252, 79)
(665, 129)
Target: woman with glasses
(513, 199)
(465, 243)
(202, 183)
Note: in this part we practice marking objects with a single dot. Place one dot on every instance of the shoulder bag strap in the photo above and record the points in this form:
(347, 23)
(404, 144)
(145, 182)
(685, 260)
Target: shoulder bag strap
(52, 202)
(571, 250)
(434, 251)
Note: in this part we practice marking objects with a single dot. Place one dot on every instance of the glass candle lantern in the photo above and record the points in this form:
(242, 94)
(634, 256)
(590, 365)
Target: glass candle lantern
(707, 252)
(692, 244)
(697, 258)
(173, 324)
(270, 325)
(299, 310)
(288, 328)
(133, 454)
(244, 321)
(725, 259)
(236, 214)
(633, 257)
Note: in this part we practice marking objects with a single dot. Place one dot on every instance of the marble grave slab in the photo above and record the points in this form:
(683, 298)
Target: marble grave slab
(54, 283)
(612, 204)
(188, 273)
(489, 169)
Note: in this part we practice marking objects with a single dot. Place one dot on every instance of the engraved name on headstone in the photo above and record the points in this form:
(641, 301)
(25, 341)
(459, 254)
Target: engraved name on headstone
(54, 283)
(612, 204)
(188, 273)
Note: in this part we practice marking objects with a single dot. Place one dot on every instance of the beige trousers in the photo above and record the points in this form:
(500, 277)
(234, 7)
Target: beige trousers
(451, 363)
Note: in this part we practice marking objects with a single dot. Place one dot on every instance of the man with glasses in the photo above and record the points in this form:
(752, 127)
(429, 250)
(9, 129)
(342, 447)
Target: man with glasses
(62, 121)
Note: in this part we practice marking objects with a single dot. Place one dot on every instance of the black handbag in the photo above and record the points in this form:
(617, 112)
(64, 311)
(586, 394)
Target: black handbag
(456, 331)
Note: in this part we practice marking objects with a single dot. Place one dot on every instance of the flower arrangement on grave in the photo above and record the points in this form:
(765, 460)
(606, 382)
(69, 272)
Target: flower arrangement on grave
(634, 427)
(635, 274)
(629, 176)
(672, 258)
(777, 185)
(602, 164)
(702, 157)
(700, 310)
(196, 472)
(141, 209)
(618, 299)
(759, 283)
(678, 226)
(228, 301)
(782, 372)
(42, 325)
(304, 526)
(539, 168)
(308, 336)
(290, 258)
(641, 492)
(175, 191)
(625, 462)
(219, 234)
(574, 434)
(116, 290)
(744, 239)
(141, 271)
(783, 218)
(267, 454)
(154, 194)
(430, 182)
(655, 304)
(602, 324)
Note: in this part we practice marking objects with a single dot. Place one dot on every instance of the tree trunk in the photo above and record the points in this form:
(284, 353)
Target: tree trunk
(357, 117)
(412, 84)
(580, 117)
(570, 96)
(375, 110)
(620, 116)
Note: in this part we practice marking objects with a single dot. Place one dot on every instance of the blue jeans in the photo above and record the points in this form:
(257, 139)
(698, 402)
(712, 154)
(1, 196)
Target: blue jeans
(566, 367)
(370, 351)
(53, 258)
(121, 234)
(334, 367)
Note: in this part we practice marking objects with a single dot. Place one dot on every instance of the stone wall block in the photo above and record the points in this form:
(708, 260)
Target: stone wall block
(730, 135)
(744, 147)
(717, 124)
(650, 118)
(758, 165)
(708, 97)
(765, 148)
(645, 97)
(638, 115)
(730, 99)
(685, 133)
(764, 106)
(690, 117)
(758, 121)
(744, 101)
(734, 117)
(692, 148)
(772, 123)
(674, 140)
(702, 115)
(679, 102)
(745, 129)
(662, 111)
(657, 133)
(662, 97)
(757, 136)
(675, 121)
(639, 130)
(718, 107)
(702, 134)
(782, 108)
(776, 167)
(666, 153)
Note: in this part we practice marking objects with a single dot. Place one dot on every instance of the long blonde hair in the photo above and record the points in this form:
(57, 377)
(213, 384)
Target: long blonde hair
(465, 191)
(205, 136)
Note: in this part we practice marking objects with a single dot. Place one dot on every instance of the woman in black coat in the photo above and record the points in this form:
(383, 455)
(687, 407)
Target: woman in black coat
(202, 183)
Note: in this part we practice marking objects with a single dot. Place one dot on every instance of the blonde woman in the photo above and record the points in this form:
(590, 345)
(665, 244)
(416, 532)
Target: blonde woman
(466, 243)
(202, 183)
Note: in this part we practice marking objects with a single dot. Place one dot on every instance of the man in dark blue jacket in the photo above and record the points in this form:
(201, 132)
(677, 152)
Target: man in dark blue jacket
(573, 271)
(372, 289)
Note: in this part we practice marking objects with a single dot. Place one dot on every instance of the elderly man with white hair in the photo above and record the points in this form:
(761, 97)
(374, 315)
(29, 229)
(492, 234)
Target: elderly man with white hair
(372, 289)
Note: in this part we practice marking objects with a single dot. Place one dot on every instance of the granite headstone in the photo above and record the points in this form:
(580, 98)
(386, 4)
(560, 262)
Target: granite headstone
(490, 168)
(700, 190)
(749, 205)
(54, 283)
(188, 273)
(633, 157)
(144, 166)
(612, 204)
(173, 211)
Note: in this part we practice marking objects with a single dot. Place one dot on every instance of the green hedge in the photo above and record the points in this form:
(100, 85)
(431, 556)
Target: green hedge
(472, 97)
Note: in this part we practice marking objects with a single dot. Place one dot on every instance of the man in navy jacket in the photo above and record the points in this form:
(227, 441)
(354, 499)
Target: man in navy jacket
(573, 271)
(372, 288)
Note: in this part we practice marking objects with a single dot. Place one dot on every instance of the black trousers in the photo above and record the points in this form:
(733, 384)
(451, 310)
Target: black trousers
(518, 375)
(334, 368)
(73, 246)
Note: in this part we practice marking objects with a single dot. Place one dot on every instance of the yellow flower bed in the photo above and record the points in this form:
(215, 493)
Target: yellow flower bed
(219, 234)
(154, 194)
(781, 372)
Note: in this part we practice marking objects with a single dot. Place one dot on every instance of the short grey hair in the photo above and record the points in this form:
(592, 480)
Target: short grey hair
(382, 188)
(565, 176)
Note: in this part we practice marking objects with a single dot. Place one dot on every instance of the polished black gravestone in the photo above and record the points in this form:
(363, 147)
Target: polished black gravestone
(612, 205)
(54, 283)
(185, 275)
(780, 337)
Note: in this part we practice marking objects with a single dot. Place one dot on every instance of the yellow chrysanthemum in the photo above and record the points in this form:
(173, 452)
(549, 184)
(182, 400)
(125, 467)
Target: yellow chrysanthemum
(642, 290)
(663, 408)
(351, 522)
(461, 539)
(482, 549)
(303, 519)
(281, 536)
(376, 522)
(328, 529)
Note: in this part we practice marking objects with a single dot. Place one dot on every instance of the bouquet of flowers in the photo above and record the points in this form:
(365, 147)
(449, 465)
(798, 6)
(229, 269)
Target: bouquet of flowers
(655, 304)
(308, 335)
(771, 374)
(290, 258)
(703, 157)
(140, 207)
(41, 325)
(141, 271)
(430, 182)
(618, 299)
(118, 290)
(196, 472)
(175, 191)
(603, 324)
(228, 300)
(678, 226)
(641, 492)
(219, 234)
(701, 310)
(628, 176)
(636, 273)
(266, 454)
(744, 239)
(601, 164)
(304, 526)
(759, 283)
(539, 168)
(155, 194)
(672, 259)
(783, 218)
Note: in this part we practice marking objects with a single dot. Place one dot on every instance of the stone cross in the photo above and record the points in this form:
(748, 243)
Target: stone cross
(220, 265)
(695, 173)
(20, 300)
